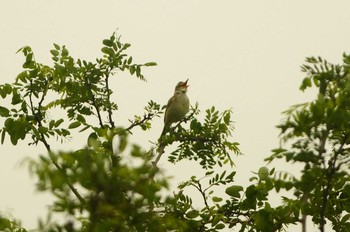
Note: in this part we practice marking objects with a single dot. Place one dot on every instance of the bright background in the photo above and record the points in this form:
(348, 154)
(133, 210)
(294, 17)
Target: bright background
(244, 55)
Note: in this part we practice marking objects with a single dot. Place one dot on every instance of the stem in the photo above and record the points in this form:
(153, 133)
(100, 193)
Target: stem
(331, 171)
(93, 99)
(109, 103)
(146, 117)
(38, 117)
(303, 223)
(199, 188)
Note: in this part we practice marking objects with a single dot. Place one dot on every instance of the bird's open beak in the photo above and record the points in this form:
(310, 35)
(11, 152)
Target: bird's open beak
(185, 84)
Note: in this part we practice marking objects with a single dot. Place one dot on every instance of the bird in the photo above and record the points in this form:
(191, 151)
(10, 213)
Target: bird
(177, 107)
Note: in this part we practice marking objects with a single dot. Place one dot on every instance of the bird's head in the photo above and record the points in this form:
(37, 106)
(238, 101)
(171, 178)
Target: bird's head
(181, 86)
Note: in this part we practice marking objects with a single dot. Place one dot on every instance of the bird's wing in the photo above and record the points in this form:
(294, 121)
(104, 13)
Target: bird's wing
(170, 102)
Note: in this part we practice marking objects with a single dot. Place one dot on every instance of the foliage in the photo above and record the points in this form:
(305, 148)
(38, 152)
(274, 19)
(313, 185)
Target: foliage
(99, 190)
(319, 134)
(8, 225)
(94, 184)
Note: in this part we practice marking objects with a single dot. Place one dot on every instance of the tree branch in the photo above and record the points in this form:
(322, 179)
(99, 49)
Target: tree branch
(199, 188)
(38, 117)
(331, 171)
(146, 117)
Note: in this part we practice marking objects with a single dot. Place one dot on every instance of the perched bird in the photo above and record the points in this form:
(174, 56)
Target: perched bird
(177, 107)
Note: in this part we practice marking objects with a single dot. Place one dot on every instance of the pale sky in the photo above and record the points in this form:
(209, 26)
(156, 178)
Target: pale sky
(244, 55)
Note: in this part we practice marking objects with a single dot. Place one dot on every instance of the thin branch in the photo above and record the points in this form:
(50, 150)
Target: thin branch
(94, 103)
(332, 169)
(38, 116)
(108, 102)
(146, 118)
(199, 187)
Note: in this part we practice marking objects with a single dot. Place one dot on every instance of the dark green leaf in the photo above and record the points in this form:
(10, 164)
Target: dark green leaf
(216, 199)
(4, 112)
(108, 51)
(57, 47)
(126, 46)
(192, 214)
(234, 190)
(107, 42)
(54, 52)
(74, 125)
(58, 122)
(43, 129)
(150, 64)
(220, 226)
(81, 118)
(3, 133)
(132, 70)
(65, 52)
(16, 98)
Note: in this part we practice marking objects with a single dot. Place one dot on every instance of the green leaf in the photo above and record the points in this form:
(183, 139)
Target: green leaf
(58, 122)
(107, 42)
(54, 52)
(217, 199)
(43, 129)
(216, 219)
(93, 140)
(3, 133)
(29, 58)
(234, 190)
(64, 52)
(108, 51)
(192, 214)
(138, 70)
(208, 173)
(5, 90)
(150, 64)
(220, 226)
(4, 112)
(112, 38)
(263, 173)
(16, 129)
(57, 47)
(345, 218)
(74, 125)
(126, 46)
(227, 118)
(24, 107)
(85, 128)
(16, 98)
(81, 118)
(132, 70)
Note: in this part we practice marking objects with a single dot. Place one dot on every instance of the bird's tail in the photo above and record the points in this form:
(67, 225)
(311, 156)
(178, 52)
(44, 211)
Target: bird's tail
(160, 140)
(165, 130)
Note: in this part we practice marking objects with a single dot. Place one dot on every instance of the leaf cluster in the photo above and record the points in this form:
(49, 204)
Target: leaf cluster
(206, 142)
(319, 134)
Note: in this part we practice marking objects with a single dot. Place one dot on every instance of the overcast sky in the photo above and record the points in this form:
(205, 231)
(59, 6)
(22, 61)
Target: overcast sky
(244, 55)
